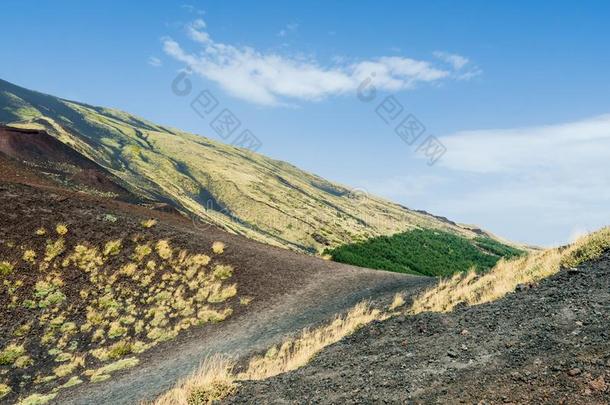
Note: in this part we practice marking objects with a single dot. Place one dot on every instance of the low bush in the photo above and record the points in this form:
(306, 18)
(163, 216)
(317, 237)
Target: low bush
(425, 252)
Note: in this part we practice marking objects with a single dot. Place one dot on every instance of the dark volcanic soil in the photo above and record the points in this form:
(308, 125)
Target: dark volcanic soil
(290, 291)
(546, 344)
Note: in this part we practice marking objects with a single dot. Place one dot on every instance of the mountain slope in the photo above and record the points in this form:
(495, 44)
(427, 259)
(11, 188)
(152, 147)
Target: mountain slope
(241, 191)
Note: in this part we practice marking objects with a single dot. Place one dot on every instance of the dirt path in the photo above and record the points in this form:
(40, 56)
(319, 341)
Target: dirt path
(547, 343)
(262, 326)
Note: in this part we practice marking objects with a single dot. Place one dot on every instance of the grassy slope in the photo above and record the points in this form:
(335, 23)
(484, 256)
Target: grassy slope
(244, 192)
(428, 252)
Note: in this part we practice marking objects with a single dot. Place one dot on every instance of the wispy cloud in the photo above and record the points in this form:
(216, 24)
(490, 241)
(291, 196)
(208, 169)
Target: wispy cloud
(154, 61)
(192, 9)
(269, 78)
(288, 29)
(461, 65)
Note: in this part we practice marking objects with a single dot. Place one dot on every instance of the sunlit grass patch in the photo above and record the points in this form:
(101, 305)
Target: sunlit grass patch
(61, 229)
(4, 390)
(164, 250)
(54, 249)
(29, 256)
(10, 354)
(148, 223)
(103, 373)
(112, 248)
(6, 268)
(218, 247)
(38, 399)
(222, 272)
(213, 381)
(398, 301)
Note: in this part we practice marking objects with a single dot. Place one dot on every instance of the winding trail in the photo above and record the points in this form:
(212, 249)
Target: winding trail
(263, 325)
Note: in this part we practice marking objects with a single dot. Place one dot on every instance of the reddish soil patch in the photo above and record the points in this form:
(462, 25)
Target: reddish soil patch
(52, 159)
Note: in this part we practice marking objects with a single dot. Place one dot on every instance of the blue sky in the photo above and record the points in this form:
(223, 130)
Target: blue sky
(517, 92)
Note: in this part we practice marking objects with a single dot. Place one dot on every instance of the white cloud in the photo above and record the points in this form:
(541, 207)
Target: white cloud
(536, 183)
(154, 61)
(269, 78)
(571, 146)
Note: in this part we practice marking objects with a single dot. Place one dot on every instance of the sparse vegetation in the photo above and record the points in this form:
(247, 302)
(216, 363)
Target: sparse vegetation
(222, 272)
(112, 248)
(424, 251)
(104, 373)
(119, 310)
(29, 256)
(398, 302)
(54, 249)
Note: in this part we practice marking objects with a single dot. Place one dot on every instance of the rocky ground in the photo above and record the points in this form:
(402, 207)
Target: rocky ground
(544, 344)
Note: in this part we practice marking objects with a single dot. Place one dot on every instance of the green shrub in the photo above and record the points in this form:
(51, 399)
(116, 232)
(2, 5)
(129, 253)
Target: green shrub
(425, 252)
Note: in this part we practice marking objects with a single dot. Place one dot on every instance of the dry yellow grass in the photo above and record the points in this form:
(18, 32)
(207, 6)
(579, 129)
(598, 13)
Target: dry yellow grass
(218, 247)
(473, 289)
(148, 223)
(293, 354)
(215, 379)
(398, 301)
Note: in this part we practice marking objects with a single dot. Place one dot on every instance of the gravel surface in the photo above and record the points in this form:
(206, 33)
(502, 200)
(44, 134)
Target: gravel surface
(544, 344)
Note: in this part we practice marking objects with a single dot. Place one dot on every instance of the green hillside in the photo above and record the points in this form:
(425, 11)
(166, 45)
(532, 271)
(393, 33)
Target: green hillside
(426, 252)
(239, 190)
